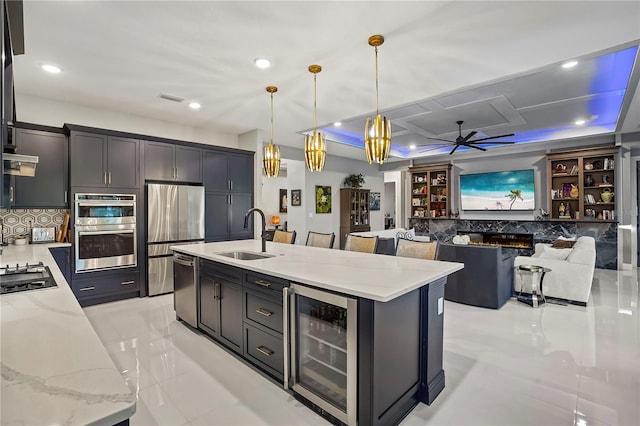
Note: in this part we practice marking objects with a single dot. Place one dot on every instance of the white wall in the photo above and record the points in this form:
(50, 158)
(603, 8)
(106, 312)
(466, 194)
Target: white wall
(270, 202)
(303, 219)
(48, 112)
(397, 179)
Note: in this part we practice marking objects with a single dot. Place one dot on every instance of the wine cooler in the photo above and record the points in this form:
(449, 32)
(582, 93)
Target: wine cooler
(322, 364)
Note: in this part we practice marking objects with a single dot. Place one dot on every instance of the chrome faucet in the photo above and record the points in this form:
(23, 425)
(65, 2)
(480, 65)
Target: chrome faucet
(263, 235)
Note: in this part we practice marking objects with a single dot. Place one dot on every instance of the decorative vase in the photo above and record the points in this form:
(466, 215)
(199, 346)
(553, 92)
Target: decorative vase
(573, 193)
(606, 196)
(588, 181)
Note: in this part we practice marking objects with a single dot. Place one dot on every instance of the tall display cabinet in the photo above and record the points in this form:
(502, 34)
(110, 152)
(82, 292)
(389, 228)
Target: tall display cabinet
(582, 184)
(354, 212)
(430, 191)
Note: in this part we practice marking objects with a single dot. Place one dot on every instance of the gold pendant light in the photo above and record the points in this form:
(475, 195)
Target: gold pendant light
(315, 147)
(377, 137)
(271, 159)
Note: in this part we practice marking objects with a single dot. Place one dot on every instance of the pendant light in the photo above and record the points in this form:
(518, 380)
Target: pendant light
(271, 159)
(377, 137)
(315, 146)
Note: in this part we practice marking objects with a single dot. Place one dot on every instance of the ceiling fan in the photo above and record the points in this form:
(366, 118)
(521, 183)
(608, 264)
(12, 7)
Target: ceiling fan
(464, 140)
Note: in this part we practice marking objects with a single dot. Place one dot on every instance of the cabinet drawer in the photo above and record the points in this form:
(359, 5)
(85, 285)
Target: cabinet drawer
(264, 311)
(223, 272)
(264, 349)
(267, 283)
(89, 287)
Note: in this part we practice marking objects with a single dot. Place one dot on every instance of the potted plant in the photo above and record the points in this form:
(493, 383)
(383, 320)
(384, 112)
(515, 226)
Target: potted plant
(354, 181)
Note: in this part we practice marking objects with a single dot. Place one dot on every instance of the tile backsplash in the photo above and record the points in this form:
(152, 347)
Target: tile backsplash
(16, 221)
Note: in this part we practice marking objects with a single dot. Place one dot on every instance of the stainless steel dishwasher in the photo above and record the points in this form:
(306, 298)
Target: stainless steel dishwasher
(185, 295)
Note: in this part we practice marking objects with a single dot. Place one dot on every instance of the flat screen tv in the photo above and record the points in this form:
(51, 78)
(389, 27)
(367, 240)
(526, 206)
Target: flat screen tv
(511, 190)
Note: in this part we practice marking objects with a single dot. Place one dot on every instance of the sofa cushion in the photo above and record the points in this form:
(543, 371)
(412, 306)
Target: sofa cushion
(583, 251)
(555, 253)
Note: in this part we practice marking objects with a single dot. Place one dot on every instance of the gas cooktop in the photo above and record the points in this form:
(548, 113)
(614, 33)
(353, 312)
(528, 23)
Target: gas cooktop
(14, 279)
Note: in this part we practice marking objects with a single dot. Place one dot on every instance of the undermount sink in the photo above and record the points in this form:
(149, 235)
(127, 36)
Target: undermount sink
(245, 255)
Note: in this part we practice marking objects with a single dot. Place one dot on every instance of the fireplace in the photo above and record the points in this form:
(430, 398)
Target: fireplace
(520, 241)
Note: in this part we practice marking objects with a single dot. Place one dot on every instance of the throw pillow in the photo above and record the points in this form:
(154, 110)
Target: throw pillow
(555, 253)
(562, 243)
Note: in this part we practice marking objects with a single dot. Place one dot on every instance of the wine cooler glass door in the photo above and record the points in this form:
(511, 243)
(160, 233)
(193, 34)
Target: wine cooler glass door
(324, 351)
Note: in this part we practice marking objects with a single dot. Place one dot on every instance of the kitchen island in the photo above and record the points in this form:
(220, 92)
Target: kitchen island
(55, 369)
(383, 315)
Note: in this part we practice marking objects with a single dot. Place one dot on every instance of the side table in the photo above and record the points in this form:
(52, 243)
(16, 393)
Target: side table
(537, 276)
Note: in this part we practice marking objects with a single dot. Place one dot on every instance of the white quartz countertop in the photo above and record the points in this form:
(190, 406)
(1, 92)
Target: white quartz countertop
(55, 370)
(371, 276)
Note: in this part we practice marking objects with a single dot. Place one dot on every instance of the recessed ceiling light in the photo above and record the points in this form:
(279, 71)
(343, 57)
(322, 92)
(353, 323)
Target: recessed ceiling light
(412, 146)
(262, 63)
(51, 68)
(194, 105)
(580, 122)
(569, 64)
(337, 124)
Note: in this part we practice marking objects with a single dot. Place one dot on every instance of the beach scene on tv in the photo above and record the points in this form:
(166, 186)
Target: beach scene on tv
(510, 190)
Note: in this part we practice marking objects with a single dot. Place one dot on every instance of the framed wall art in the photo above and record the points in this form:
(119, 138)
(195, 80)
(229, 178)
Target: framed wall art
(283, 201)
(374, 201)
(296, 197)
(323, 199)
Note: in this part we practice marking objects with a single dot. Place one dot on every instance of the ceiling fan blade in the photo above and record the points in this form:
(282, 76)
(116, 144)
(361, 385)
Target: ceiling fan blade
(490, 137)
(431, 148)
(438, 139)
(469, 136)
(495, 143)
(454, 149)
(476, 147)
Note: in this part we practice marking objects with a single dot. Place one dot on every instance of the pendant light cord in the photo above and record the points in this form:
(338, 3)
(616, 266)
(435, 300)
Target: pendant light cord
(377, 81)
(271, 118)
(315, 97)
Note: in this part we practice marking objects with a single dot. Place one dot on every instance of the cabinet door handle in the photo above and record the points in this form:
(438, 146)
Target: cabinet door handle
(263, 283)
(264, 312)
(265, 351)
(230, 199)
(109, 178)
(87, 288)
(230, 185)
(176, 173)
(11, 194)
(127, 282)
(65, 197)
(216, 291)
(104, 178)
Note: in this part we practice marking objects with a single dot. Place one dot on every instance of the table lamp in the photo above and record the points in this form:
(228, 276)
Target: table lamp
(275, 220)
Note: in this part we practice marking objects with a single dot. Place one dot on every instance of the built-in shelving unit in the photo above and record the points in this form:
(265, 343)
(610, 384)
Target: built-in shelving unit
(582, 184)
(430, 191)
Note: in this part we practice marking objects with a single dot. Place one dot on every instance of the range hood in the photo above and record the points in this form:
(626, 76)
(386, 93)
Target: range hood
(19, 165)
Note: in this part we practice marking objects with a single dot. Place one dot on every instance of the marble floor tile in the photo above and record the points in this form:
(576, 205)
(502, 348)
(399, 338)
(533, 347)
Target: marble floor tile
(555, 365)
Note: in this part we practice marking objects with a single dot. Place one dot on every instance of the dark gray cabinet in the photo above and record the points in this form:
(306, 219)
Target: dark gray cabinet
(62, 256)
(228, 183)
(220, 313)
(102, 161)
(49, 187)
(168, 162)
(101, 288)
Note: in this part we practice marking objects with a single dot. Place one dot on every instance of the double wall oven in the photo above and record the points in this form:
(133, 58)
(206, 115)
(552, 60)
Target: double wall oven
(105, 231)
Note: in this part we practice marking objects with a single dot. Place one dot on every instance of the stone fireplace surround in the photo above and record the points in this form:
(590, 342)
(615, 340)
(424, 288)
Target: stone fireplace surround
(543, 231)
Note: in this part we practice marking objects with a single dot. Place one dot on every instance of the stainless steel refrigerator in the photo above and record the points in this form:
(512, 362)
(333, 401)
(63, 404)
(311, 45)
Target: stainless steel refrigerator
(175, 215)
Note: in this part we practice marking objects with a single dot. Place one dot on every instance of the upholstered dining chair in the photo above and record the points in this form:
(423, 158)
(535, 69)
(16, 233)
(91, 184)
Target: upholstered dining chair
(317, 239)
(361, 244)
(284, 237)
(416, 249)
